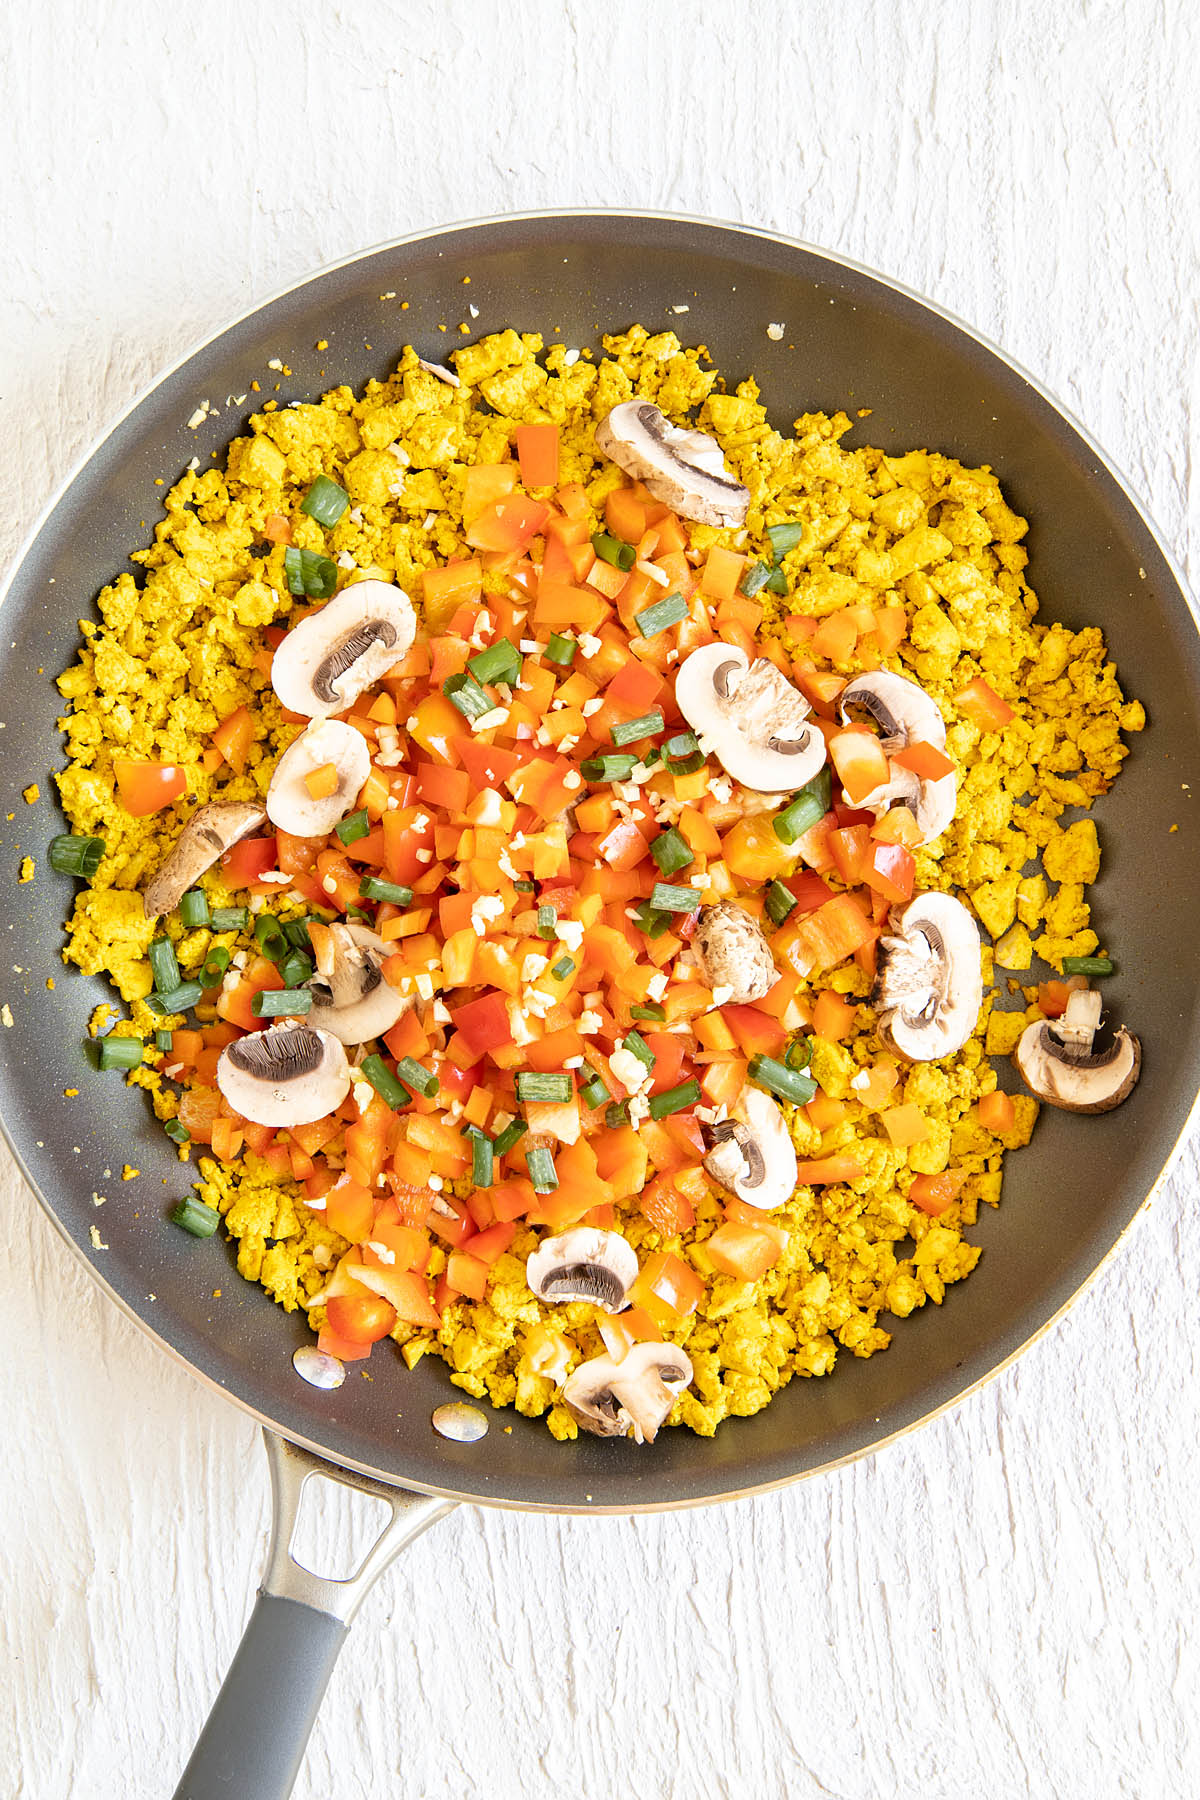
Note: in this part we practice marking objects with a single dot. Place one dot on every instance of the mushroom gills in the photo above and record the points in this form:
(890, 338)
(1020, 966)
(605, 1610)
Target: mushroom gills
(751, 717)
(928, 985)
(211, 830)
(328, 659)
(685, 469)
(754, 1155)
(903, 711)
(351, 999)
(584, 1264)
(287, 1075)
(1057, 1062)
(630, 1397)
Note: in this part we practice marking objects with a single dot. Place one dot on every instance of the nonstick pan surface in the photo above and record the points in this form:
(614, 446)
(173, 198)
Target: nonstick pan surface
(851, 340)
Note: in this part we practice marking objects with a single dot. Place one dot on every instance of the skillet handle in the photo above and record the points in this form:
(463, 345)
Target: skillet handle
(254, 1738)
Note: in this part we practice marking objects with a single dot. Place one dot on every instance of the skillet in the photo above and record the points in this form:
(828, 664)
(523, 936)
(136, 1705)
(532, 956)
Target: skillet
(851, 340)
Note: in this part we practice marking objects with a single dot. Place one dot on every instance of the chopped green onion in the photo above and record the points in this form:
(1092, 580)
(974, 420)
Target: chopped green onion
(650, 1011)
(162, 1040)
(542, 1172)
(783, 538)
(281, 1003)
(525, 887)
(617, 1114)
(778, 1079)
(676, 1099)
(178, 1131)
(164, 965)
(632, 729)
(308, 572)
(325, 501)
(296, 933)
(356, 912)
(1088, 965)
(230, 918)
(651, 922)
(780, 902)
(356, 826)
(483, 1160)
(560, 649)
(193, 908)
(547, 921)
(384, 1082)
(371, 887)
(501, 661)
(512, 1134)
(178, 1001)
(776, 582)
(562, 968)
(608, 768)
(610, 549)
(592, 1090)
(755, 579)
(212, 974)
(668, 899)
(200, 1220)
(806, 808)
(636, 1045)
(799, 1053)
(72, 855)
(682, 754)
(465, 692)
(422, 1081)
(121, 1053)
(671, 851)
(296, 968)
(270, 936)
(554, 1087)
(653, 619)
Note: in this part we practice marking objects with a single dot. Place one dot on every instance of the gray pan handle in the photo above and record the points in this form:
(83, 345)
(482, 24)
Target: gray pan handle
(254, 1739)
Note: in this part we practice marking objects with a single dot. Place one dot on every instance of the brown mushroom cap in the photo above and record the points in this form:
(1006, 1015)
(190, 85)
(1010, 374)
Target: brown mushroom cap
(1073, 1076)
(733, 952)
(211, 830)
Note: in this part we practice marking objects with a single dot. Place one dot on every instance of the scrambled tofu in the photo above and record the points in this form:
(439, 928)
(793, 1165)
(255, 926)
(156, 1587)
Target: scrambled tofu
(172, 654)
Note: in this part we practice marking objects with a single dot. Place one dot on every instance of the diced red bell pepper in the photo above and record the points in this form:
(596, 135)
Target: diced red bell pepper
(483, 1023)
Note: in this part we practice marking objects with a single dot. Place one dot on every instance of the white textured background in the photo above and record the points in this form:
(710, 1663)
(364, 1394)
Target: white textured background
(1002, 1605)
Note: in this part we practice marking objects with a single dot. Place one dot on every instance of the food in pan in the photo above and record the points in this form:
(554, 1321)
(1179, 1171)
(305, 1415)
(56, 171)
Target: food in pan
(540, 820)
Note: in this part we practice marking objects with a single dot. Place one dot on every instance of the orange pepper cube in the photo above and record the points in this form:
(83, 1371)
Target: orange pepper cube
(322, 781)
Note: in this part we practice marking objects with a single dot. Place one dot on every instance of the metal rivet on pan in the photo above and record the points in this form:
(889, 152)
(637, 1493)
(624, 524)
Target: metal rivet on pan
(318, 1368)
(465, 1424)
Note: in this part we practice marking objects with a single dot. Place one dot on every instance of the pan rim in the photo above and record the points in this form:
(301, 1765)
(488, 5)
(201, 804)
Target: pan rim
(835, 261)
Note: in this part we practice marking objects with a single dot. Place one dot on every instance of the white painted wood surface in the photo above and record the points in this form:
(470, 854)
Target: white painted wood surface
(1001, 1605)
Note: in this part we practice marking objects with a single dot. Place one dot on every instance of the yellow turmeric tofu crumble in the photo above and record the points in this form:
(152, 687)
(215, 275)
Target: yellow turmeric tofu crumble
(568, 546)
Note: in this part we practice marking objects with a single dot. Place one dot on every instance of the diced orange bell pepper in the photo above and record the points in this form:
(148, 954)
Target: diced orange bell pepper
(743, 1251)
(932, 1194)
(997, 1112)
(983, 706)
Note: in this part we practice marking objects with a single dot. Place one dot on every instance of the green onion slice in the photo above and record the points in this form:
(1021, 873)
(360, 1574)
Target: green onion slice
(650, 1012)
(669, 899)
(483, 1159)
(542, 1172)
(422, 1081)
(755, 579)
(164, 965)
(384, 1082)
(778, 1079)
(371, 887)
(280, 1003)
(671, 610)
(296, 933)
(196, 1218)
(671, 851)
(592, 1090)
(325, 501)
(616, 1114)
(162, 1039)
(465, 692)
(651, 922)
(296, 968)
(776, 582)
(554, 1086)
(177, 1131)
(682, 754)
(561, 649)
(632, 729)
(272, 940)
(178, 1001)
(72, 855)
(547, 921)
(562, 968)
(357, 826)
(780, 902)
(121, 1053)
(610, 549)
(608, 768)
(212, 974)
(193, 908)
(636, 1045)
(512, 1134)
(1088, 965)
(783, 538)
(806, 809)
(230, 918)
(676, 1099)
(310, 573)
(501, 661)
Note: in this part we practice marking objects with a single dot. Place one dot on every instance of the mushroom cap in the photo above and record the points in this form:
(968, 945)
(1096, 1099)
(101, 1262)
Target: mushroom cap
(352, 1000)
(684, 469)
(1073, 1076)
(600, 1266)
(753, 1155)
(751, 716)
(635, 1395)
(287, 1075)
(332, 656)
(290, 806)
(929, 981)
(903, 711)
(211, 830)
(733, 953)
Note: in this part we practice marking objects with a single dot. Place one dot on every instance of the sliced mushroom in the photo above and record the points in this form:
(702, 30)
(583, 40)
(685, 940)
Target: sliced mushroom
(928, 982)
(331, 657)
(751, 716)
(600, 1266)
(635, 1395)
(684, 469)
(350, 997)
(287, 1075)
(753, 1155)
(733, 954)
(290, 803)
(211, 830)
(1056, 1060)
(905, 714)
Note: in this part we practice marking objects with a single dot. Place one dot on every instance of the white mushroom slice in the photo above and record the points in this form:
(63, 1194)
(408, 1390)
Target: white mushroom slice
(733, 953)
(290, 805)
(751, 717)
(330, 658)
(635, 1395)
(287, 1075)
(682, 468)
(753, 1155)
(600, 1266)
(211, 830)
(1056, 1061)
(904, 712)
(929, 983)
(351, 999)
